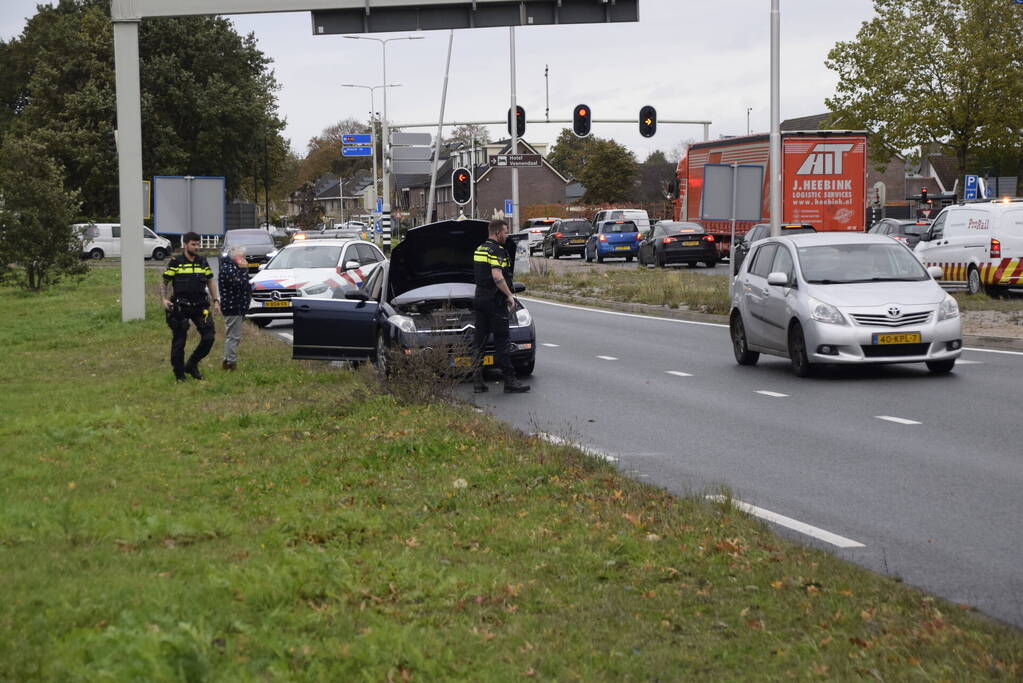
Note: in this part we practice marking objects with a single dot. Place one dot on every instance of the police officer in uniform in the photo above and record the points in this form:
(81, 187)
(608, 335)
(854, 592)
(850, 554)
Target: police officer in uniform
(190, 275)
(493, 304)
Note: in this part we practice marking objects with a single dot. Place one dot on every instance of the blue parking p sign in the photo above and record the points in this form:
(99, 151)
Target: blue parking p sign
(970, 189)
(509, 209)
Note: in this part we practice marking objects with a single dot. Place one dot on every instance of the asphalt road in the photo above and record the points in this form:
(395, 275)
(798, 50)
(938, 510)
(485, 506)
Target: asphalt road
(925, 472)
(569, 264)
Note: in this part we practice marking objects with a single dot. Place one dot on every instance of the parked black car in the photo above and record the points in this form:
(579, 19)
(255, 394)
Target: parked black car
(907, 231)
(421, 298)
(678, 242)
(761, 231)
(566, 236)
(258, 246)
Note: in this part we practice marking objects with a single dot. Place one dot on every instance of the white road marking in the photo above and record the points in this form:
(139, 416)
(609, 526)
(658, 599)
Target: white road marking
(1010, 353)
(549, 346)
(969, 362)
(897, 420)
(588, 450)
(772, 394)
(626, 315)
(287, 335)
(607, 358)
(794, 524)
(677, 373)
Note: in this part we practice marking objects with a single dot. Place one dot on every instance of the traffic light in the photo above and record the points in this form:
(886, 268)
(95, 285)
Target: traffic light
(581, 119)
(520, 121)
(647, 121)
(461, 186)
(923, 195)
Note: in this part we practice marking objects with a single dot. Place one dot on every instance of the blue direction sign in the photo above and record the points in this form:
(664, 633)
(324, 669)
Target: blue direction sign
(357, 139)
(508, 208)
(380, 204)
(970, 192)
(356, 151)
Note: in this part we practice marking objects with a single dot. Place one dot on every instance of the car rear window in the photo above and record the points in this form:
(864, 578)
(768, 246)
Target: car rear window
(626, 226)
(575, 226)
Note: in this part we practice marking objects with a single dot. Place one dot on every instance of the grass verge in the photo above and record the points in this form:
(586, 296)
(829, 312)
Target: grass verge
(289, 522)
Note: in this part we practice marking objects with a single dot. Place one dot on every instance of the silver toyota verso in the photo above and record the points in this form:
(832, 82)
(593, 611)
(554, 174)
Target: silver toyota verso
(841, 298)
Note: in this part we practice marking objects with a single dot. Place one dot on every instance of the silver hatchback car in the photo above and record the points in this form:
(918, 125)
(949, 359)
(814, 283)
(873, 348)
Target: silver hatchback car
(841, 298)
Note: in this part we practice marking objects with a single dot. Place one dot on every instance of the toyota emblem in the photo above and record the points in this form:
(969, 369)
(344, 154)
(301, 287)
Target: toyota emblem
(893, 311)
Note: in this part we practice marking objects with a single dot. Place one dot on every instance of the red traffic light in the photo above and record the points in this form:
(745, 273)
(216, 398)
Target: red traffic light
(461, 186)
(520, 121)
(581, 120)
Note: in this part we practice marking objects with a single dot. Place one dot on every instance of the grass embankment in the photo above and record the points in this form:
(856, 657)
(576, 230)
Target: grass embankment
(290, 522)
(670, 287)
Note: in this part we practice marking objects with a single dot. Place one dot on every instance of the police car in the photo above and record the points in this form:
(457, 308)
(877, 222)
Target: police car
(321, 268)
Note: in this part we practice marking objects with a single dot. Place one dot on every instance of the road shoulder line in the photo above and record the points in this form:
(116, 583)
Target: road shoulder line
(789, 523)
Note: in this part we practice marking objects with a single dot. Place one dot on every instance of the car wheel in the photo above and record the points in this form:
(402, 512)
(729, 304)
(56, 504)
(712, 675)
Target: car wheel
(159, 254)
(690, 264)
(381, 357)
(710, 264)
(598, 256)
(554, 252)
(661, 260)
(941, 367)
(973, 281)
(96, 254)
(801, 365)
(743, 356)
(261, 322)
(628, 259)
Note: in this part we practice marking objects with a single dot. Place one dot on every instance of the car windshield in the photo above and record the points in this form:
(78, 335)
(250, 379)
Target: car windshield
(913, 228)
(248, 237)
(844, 263)
(627, 226)
(683, 228)
(306, 256)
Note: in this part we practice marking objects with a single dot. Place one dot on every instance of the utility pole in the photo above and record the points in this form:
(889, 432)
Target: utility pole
(775, 156)
(514, 126)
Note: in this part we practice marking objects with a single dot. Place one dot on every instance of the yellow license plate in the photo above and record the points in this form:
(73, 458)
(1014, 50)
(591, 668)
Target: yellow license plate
(466, 361)
(277, 304)
(897, 338)
(577, 242)
(690, 244)
(626, 248)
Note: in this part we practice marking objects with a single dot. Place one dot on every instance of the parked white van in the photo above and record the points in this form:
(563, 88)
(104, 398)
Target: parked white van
(104, 239)
(637, 216)
(979, 244)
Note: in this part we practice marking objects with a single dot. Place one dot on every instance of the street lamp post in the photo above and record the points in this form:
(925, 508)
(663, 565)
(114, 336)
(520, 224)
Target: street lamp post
(372, 114)
(386, 218)
(748, 110)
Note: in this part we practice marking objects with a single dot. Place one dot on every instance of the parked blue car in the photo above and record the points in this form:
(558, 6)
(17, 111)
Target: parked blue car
(613, 239)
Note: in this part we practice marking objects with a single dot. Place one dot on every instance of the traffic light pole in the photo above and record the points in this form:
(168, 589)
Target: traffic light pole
(440, 128)
(513, 119)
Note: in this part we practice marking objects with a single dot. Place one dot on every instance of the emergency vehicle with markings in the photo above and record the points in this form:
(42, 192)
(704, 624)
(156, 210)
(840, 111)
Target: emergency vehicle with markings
(824, 181)
(977, 244)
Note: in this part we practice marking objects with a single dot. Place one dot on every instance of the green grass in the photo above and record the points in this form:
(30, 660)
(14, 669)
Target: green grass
(290, 522)
(983, 302)
(672, 288)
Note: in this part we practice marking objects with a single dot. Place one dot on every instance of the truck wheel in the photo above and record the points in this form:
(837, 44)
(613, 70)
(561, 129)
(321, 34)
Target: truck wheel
(973, 281)
(96, 254)
(743, 356)
(801, 365)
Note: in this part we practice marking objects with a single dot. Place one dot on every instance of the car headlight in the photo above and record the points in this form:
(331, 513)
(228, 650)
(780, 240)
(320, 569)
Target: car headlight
(949, 308)
(825, 313)
(314, 290)
(522, 318)
(403, 323)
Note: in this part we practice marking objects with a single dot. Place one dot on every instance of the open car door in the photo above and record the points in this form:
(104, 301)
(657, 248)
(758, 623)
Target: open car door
(334, 329)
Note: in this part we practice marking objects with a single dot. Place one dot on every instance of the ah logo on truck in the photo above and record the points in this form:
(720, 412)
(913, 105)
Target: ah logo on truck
(824, 159)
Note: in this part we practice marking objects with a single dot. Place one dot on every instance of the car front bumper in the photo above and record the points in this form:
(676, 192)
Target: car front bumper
(849, 344)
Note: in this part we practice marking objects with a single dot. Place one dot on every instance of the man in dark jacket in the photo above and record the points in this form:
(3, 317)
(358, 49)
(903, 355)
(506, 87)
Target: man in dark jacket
(235, 294)
(190, 276)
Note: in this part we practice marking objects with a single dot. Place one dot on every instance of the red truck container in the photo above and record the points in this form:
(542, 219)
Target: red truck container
(824, 180)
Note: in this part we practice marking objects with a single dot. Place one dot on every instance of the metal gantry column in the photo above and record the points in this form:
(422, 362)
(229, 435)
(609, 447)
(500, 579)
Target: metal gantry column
(513, 124)
(775, 157)
(129, 166)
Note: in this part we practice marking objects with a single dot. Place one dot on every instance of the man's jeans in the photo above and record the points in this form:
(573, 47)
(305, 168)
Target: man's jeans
(233, 335)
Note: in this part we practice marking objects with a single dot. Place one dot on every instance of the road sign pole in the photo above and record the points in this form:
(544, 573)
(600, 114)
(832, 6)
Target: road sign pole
(775, 156)
(385, 216)
(440, 130)
(514, 125)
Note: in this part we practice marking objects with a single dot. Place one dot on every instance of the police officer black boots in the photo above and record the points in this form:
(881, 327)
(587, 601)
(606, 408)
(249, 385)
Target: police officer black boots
(513, 386)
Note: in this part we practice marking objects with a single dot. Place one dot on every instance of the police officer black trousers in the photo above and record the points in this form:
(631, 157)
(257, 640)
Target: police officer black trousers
(178, 317)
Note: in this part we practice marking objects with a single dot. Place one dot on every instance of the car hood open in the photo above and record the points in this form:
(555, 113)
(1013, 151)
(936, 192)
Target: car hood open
(438, 253)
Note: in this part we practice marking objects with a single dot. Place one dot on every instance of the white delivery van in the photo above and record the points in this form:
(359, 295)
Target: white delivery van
(637, 216)
(100, 240)
(977, 244)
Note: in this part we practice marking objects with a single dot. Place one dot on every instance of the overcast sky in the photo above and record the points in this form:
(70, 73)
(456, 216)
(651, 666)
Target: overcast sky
(690, 60)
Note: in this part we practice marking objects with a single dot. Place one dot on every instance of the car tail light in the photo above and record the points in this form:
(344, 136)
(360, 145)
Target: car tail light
(996, 249)
(708, 238)
(638, 236)
(667, 240)
(557, 235)
(603, 237)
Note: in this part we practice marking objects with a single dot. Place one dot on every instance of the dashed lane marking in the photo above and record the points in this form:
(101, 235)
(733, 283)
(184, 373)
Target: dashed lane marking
(772, 394)
(969, 362)
(1010, 353)
(794, 524)
(549, 346)
(588, 450)
(607, 358)
(677, 373)
(286, 335)
(897, 420)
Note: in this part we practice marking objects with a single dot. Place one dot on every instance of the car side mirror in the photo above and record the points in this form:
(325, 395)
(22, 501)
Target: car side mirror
(352, 265)
(936, 272)
(778, 279)
(356, 295)
(518, 287)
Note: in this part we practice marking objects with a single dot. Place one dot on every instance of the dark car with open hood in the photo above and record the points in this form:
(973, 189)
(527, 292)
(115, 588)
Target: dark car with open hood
(420, 299)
